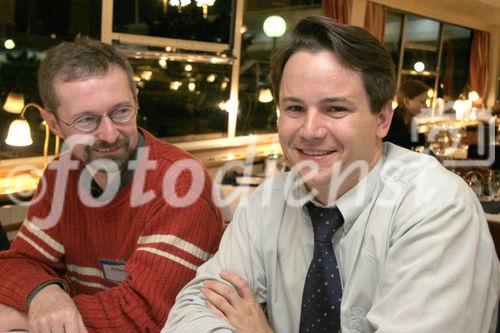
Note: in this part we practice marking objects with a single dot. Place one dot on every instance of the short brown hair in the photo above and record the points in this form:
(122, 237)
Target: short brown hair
(71, 61)
(355, 48)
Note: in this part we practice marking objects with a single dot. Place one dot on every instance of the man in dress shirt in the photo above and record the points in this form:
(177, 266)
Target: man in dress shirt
(414, 252)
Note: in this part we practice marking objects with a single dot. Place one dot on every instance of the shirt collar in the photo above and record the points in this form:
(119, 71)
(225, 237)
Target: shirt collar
(351, 203)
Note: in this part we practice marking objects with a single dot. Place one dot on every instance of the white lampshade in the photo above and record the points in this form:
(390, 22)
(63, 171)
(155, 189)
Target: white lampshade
(265, 95)
(19, 133)
(14, 103)
(274, 26)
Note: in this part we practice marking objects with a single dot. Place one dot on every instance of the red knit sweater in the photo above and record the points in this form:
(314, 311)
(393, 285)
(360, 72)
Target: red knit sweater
(162, 245)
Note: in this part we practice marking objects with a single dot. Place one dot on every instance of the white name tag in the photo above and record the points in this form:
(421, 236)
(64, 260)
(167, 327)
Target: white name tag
(114, 270)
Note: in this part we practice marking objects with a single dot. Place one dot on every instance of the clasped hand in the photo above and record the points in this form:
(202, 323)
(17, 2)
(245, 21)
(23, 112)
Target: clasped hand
(53, 311)
(235, 303)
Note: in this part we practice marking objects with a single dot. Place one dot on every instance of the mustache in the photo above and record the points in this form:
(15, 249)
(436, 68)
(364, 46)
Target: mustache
(106, 145)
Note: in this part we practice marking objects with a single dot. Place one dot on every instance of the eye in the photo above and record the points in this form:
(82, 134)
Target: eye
(337, 111)
(121, 114)
(294, 110)
(86, 120)
(121, 111)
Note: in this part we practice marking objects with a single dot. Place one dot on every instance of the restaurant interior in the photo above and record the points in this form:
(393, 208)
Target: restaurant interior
(201, 68)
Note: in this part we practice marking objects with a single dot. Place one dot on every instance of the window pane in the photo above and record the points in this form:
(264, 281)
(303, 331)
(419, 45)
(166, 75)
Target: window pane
(255, 116)
(421, 45)
(178, 98)
(422, 32)
(414, 56)
(175, 19)
(392, 34)
(454, 76)
(34, 27)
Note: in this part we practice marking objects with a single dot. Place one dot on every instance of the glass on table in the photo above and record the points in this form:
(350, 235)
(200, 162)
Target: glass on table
(475, 180)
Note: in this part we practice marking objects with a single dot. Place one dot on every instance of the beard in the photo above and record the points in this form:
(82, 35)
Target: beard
(109, 161)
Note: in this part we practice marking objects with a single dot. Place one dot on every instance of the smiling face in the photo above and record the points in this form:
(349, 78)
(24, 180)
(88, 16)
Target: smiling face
(97, 95)
(325, 117)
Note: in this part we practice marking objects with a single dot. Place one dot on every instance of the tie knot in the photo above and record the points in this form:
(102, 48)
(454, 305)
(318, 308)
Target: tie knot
(325, 221)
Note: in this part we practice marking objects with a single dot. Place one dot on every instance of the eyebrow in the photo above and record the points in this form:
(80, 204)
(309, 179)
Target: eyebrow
(324, 100)
(113, 108)
(290, 99)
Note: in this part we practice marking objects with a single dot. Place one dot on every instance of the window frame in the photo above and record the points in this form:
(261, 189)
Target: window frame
(233, 51)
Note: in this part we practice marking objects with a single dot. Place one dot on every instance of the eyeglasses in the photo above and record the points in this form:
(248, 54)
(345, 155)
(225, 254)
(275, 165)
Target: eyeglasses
(90, 122)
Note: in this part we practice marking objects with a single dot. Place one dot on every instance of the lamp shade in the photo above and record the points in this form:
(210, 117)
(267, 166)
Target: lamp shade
(14, 103)
(265, 95)
(19, 133)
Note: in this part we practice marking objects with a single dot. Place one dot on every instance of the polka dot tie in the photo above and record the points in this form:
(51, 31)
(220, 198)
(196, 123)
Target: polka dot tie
(322, 289)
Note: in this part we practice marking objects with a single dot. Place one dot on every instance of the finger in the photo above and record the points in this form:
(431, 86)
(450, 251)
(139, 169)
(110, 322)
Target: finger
(224, 290)
(239, 283)
(46, 326)
(72, 324)
(220, 302)
(81, 325)
(215, 311)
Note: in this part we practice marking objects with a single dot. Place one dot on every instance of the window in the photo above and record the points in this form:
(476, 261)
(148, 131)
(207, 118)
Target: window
(32, 27)
(255, 114)
(179, 99)
(205, 21)
(433, 52)
(185, 62)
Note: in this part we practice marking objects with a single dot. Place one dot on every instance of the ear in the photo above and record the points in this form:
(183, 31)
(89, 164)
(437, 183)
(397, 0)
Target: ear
(136, 95)
(51, 120)
(384, 119)
(406, 102)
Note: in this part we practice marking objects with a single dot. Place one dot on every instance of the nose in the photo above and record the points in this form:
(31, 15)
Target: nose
(313, 126)
(107, 130)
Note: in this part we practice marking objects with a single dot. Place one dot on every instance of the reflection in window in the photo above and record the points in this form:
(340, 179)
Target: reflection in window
(392, 34)
(444, 66)
(181, 100)
(34, 27)
(196, 20)
(455, 64)
(259, 116)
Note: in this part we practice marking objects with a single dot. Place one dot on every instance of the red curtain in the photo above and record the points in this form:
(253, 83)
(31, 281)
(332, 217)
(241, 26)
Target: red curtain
(375, 19)
(479, 61)
(337, 10)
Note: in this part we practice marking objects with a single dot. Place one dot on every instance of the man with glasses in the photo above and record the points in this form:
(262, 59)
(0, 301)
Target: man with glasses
(120, 221)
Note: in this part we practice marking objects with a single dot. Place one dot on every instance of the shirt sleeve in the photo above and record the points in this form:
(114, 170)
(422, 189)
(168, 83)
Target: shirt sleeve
(441, 271)
(175, 242)
(239, 252)
(34, 258)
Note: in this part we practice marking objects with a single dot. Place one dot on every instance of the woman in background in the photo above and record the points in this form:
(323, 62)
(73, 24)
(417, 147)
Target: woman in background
(411, 98)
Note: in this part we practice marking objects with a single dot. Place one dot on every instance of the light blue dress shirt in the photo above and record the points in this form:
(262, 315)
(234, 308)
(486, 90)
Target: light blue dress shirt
(415, 253)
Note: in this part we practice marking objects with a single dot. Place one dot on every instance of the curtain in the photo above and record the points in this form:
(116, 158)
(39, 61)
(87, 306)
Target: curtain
(337, 10)
(479, 64)
(375, 19)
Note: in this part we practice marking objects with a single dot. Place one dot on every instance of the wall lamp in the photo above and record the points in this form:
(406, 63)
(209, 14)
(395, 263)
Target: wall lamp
(20, 133)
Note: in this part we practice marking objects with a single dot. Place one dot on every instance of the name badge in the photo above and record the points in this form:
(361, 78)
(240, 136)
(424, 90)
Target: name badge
(114, 270)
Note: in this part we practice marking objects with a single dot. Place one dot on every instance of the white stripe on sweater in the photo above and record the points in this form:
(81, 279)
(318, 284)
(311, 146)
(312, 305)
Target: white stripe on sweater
(43, 236)
(91, 271)
(177, 242)
(37, 247)
(88, 284)
(169, 256)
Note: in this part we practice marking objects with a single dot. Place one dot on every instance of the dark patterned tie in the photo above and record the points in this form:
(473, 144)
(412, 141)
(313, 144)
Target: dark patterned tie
(322, 289)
